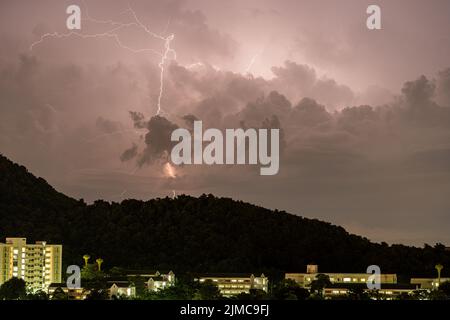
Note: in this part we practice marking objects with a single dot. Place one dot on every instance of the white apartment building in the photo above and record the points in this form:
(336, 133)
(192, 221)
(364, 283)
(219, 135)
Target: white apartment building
(234, 284)
(312, 270)
(37, 264)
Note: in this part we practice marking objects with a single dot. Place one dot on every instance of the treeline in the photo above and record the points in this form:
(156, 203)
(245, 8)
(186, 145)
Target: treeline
(188, 289)
(187, 234)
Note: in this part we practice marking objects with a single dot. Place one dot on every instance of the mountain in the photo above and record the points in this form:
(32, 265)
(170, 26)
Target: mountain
(188, 234)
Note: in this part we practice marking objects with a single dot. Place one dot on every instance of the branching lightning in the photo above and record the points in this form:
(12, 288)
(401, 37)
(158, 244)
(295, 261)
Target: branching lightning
(167, 54)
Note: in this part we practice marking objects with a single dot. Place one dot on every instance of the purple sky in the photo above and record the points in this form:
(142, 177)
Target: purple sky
(365, 114)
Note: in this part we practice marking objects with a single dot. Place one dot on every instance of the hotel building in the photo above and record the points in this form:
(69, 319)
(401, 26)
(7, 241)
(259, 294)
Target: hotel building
(428, 283)
(37, 264)
(305, 279)
(122, 286)
(154, 280)
(341, 283)
(234, 284)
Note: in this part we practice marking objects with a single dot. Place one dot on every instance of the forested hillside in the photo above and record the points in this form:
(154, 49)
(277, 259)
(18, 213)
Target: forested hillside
(187, 234)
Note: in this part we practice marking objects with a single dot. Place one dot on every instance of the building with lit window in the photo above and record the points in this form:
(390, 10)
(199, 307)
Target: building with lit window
(72, 294)
(234, 284)
(154, 280)
(121, 286)
(305, 279)
(428, 283)
(121, 289)
(38, 264)
(343, 283)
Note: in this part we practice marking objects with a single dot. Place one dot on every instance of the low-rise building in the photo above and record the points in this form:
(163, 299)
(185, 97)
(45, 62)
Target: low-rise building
(428, 283)
(121, 289)
(154, 280)
(387, 290)
(233, 284)
(343, 283)
(305, 279)
(72, 294)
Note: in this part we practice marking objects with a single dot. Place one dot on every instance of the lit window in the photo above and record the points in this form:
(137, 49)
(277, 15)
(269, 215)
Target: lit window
(347, 279)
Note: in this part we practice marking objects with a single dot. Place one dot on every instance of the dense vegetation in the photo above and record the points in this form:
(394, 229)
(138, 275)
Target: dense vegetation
(187, 234)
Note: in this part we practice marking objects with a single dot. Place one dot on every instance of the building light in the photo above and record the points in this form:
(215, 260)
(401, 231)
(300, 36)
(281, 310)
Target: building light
(347, 279)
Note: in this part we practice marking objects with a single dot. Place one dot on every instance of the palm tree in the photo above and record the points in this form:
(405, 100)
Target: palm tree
(86, 258)
(99, 263)
(439, 268)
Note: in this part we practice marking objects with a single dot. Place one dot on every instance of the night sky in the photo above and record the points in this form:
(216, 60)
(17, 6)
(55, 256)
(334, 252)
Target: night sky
(365, 114)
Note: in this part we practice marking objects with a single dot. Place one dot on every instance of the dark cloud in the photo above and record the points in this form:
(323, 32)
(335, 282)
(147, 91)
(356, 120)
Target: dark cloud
(130, 153)
(138, 119)
(297, 81)
(157, 141)
(360, 148)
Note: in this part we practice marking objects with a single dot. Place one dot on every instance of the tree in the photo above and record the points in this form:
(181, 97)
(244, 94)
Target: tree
(357, 293)
(207, 291)
(254, 294)
(288, 289)
(39, 295)
(13, 289)
(140, 285)
(59, 294)
(445, 288)
(91, 272)
(322, 281)
(98, 294)
(99, 264)
(117, 272)
(439, 268)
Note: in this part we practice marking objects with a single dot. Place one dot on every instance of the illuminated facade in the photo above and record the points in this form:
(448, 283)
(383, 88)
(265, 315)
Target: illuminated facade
(234, 284)
(428, 283)
(155, 280)
(305, 279)
(37, 264)
(72, 294)
(343, 283)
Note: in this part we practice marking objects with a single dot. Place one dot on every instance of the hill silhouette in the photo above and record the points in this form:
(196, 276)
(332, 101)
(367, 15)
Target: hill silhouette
(188, 234)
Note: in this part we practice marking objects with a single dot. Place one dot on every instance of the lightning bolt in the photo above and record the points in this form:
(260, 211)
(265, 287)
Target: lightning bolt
(167, 54)
(115, 26)
(252, 62)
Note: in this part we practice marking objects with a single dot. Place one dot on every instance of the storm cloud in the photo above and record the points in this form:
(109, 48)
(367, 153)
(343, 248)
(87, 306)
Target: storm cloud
(364, 117)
